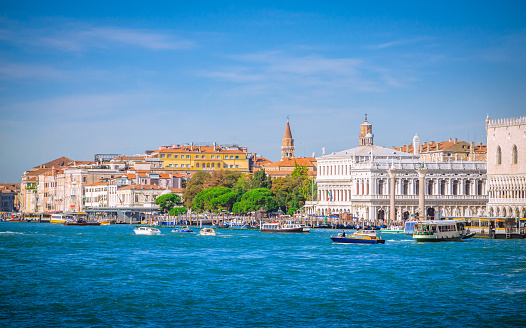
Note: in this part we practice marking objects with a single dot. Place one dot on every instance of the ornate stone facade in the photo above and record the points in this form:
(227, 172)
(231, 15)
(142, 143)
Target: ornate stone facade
(358, 182)
(506, 167)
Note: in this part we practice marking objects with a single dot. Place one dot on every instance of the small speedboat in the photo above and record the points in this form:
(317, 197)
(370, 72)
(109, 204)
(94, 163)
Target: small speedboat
(146, 231)
(182, 230)
(469, 235)
(392, 229)
(359, 237)
(207, 232)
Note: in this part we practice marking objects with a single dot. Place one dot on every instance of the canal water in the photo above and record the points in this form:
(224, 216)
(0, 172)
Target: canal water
(106, 276)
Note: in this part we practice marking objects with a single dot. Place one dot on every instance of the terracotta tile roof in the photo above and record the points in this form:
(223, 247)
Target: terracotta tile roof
(140, 187)
(99, 183)
(305, 161)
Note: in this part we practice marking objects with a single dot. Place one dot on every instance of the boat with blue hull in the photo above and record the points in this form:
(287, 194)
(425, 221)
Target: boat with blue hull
(183, 230)
(359, 237)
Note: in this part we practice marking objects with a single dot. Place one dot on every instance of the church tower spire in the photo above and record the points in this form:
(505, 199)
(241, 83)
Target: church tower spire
(366, 133)
(287, 147)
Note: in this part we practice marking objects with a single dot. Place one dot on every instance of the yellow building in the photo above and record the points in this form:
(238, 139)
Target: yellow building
(203, 158)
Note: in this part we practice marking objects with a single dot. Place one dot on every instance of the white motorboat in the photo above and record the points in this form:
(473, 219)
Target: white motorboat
(207, 232)
(146, 231)
(393, 229)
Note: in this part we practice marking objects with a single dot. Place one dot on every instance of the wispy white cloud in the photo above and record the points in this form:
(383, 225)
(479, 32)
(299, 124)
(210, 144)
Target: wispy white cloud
(323, 76)
(395, 43)
(23, 71)
(81, 37)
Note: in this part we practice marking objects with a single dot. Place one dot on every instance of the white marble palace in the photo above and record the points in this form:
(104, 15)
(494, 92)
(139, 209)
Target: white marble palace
(358, 182)
(506, 167)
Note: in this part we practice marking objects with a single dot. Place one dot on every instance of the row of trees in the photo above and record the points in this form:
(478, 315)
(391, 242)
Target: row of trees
(235, 192)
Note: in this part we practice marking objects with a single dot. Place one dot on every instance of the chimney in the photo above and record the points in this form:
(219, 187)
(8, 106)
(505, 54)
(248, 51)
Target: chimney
(449, 139)
(456, 141)
(192, 146)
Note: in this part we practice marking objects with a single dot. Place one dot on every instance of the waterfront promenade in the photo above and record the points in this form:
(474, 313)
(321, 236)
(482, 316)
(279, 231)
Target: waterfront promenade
(59, 276)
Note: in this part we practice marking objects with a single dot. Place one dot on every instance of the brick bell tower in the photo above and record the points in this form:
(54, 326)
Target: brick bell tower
(287, 147)
(366, 133)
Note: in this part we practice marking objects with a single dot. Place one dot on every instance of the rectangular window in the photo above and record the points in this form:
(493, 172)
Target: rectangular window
(162, 155)
(176, 156)
(169, 156)
(237, 166)
(176, 165)
(196, 156)
(187, 156)
(212, 157)
(169, 165)
(197, 165)
(237, 157)
(225, 166)
(187, 165)
(231, 166)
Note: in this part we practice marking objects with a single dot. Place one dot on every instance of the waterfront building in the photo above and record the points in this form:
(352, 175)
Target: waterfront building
(376, 183)
(7, 200)
(506, 139)
(203, 158)
(138, 196)
(288, 162)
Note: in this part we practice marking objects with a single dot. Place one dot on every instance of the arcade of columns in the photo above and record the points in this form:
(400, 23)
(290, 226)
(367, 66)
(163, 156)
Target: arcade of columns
(372, 197)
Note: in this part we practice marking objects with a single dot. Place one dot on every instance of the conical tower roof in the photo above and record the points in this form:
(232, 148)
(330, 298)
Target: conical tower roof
(288, 134)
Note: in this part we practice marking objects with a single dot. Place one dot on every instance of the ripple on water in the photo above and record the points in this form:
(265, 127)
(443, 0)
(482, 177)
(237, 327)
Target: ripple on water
(108, 276)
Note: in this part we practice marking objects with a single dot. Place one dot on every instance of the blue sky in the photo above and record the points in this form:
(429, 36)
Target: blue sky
(125, 77)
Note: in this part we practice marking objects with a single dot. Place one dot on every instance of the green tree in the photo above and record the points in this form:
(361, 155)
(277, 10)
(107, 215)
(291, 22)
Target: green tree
(167, 202)
(223, 178)
(261, 179)
(178, 211)
(214, 199)
(255, 199)
(194, 186)
(290, 193)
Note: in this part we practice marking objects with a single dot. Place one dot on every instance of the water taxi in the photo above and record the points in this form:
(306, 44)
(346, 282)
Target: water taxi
(146, 231)
(393, 229)
(359, 237)
(288, 227)
(439, 230)
(207, 232)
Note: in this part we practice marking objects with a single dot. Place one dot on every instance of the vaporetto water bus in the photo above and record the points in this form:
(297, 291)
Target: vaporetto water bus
(497, 228)
(279, 227)
(439, 230)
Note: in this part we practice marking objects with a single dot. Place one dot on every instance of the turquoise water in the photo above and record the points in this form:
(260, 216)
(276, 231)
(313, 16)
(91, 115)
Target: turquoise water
(106, 276)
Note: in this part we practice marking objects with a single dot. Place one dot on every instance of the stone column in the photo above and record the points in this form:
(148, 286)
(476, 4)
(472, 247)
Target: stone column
(392, 184)
(421, 192)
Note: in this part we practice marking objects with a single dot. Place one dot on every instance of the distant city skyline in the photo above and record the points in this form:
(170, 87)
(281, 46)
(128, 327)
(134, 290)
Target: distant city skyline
(122, 77)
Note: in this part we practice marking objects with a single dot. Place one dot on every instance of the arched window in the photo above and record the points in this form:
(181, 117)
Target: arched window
(514, 155)
(381, 187)
(499, 156)
(467, 187)
(405, 187)
(430, 187)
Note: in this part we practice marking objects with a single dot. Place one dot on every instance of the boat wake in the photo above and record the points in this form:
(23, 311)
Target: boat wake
(11, 233)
